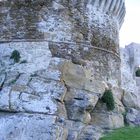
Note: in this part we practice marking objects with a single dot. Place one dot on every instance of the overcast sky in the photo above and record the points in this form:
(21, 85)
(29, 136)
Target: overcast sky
(130, 31)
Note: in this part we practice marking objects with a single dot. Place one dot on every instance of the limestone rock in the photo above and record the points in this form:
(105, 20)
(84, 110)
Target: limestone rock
(108, 120)
(118, 96)
(4, 98)
(133, 117)
(23, 79)
(131, 100)
(29, 127)
(80, 131)
(90, 133)
(2, 79)
(54, 70)
(69, 50)
(79, 104)
(35, 57)
(76, 76)
(74, 129)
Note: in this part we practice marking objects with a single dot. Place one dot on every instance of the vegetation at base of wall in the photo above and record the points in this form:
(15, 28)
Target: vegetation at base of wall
(138, 73)
(109, 100)
(126, 133)
(15, 56)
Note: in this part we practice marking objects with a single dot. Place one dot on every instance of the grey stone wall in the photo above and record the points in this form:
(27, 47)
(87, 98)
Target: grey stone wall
(45, 97)
(91, 28)
(69, 55)
(130, 56)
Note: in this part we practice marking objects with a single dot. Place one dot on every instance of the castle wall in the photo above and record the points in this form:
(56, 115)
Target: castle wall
(68, 55)
(91, 28)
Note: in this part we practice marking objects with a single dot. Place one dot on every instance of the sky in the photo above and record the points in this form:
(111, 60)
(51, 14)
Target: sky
(130, 30)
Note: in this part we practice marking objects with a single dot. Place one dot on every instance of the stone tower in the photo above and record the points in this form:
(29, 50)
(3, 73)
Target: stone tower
(56, 59)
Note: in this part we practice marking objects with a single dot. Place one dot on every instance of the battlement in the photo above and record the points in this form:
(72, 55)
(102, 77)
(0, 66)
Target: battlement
(114, 7)
(111, 7)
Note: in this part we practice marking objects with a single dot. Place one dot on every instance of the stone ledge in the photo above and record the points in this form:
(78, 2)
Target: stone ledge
(48, 41)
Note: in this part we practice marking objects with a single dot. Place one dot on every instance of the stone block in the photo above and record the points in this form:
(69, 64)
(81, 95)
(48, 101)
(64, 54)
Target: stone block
(30, 127)
(108, 120)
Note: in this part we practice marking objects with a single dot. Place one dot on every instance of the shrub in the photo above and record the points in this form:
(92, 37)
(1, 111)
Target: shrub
(138, 73)
(16, 56)
(109, 100)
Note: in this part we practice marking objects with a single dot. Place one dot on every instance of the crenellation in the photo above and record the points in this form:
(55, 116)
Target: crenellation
(112, 6)
(96, 3)
(108, 2)
(121, 11)
(121, 18)
(117, 7)
(103, 4)
(120, 8)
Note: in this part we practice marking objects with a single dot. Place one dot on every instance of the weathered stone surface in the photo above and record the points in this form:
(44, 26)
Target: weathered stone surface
(131, 100)
(108, 120)
(74, 75)
(78, 77)
(23, 79)
(90, 133)
(30, 127)
(103, 68)
(79, 104)
(128, 82)
(69, 51)
(80, 131)
(36, 21)
(54, 70)
(33, 95)
(35, 57)
(11, 77)
(2, 79)
(74, 129)
(4, 98)
(130, 56)
(118, 94)
(133, 117)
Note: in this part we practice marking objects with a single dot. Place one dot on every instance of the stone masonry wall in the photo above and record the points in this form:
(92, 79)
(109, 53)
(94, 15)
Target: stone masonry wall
(90, 27)
(68, 56)
(130, 56)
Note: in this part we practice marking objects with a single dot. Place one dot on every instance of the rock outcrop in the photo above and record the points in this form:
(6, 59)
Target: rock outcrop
(57, 58)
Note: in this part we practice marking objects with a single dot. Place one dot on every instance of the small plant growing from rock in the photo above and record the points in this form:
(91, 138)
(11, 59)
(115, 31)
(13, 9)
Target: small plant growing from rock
(16, 56)
(138, 73)
(109, 100)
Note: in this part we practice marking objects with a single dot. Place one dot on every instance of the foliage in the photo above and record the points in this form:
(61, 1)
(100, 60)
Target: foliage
(126, 133)
(16, 56)
(138, 73)
(109, 100)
